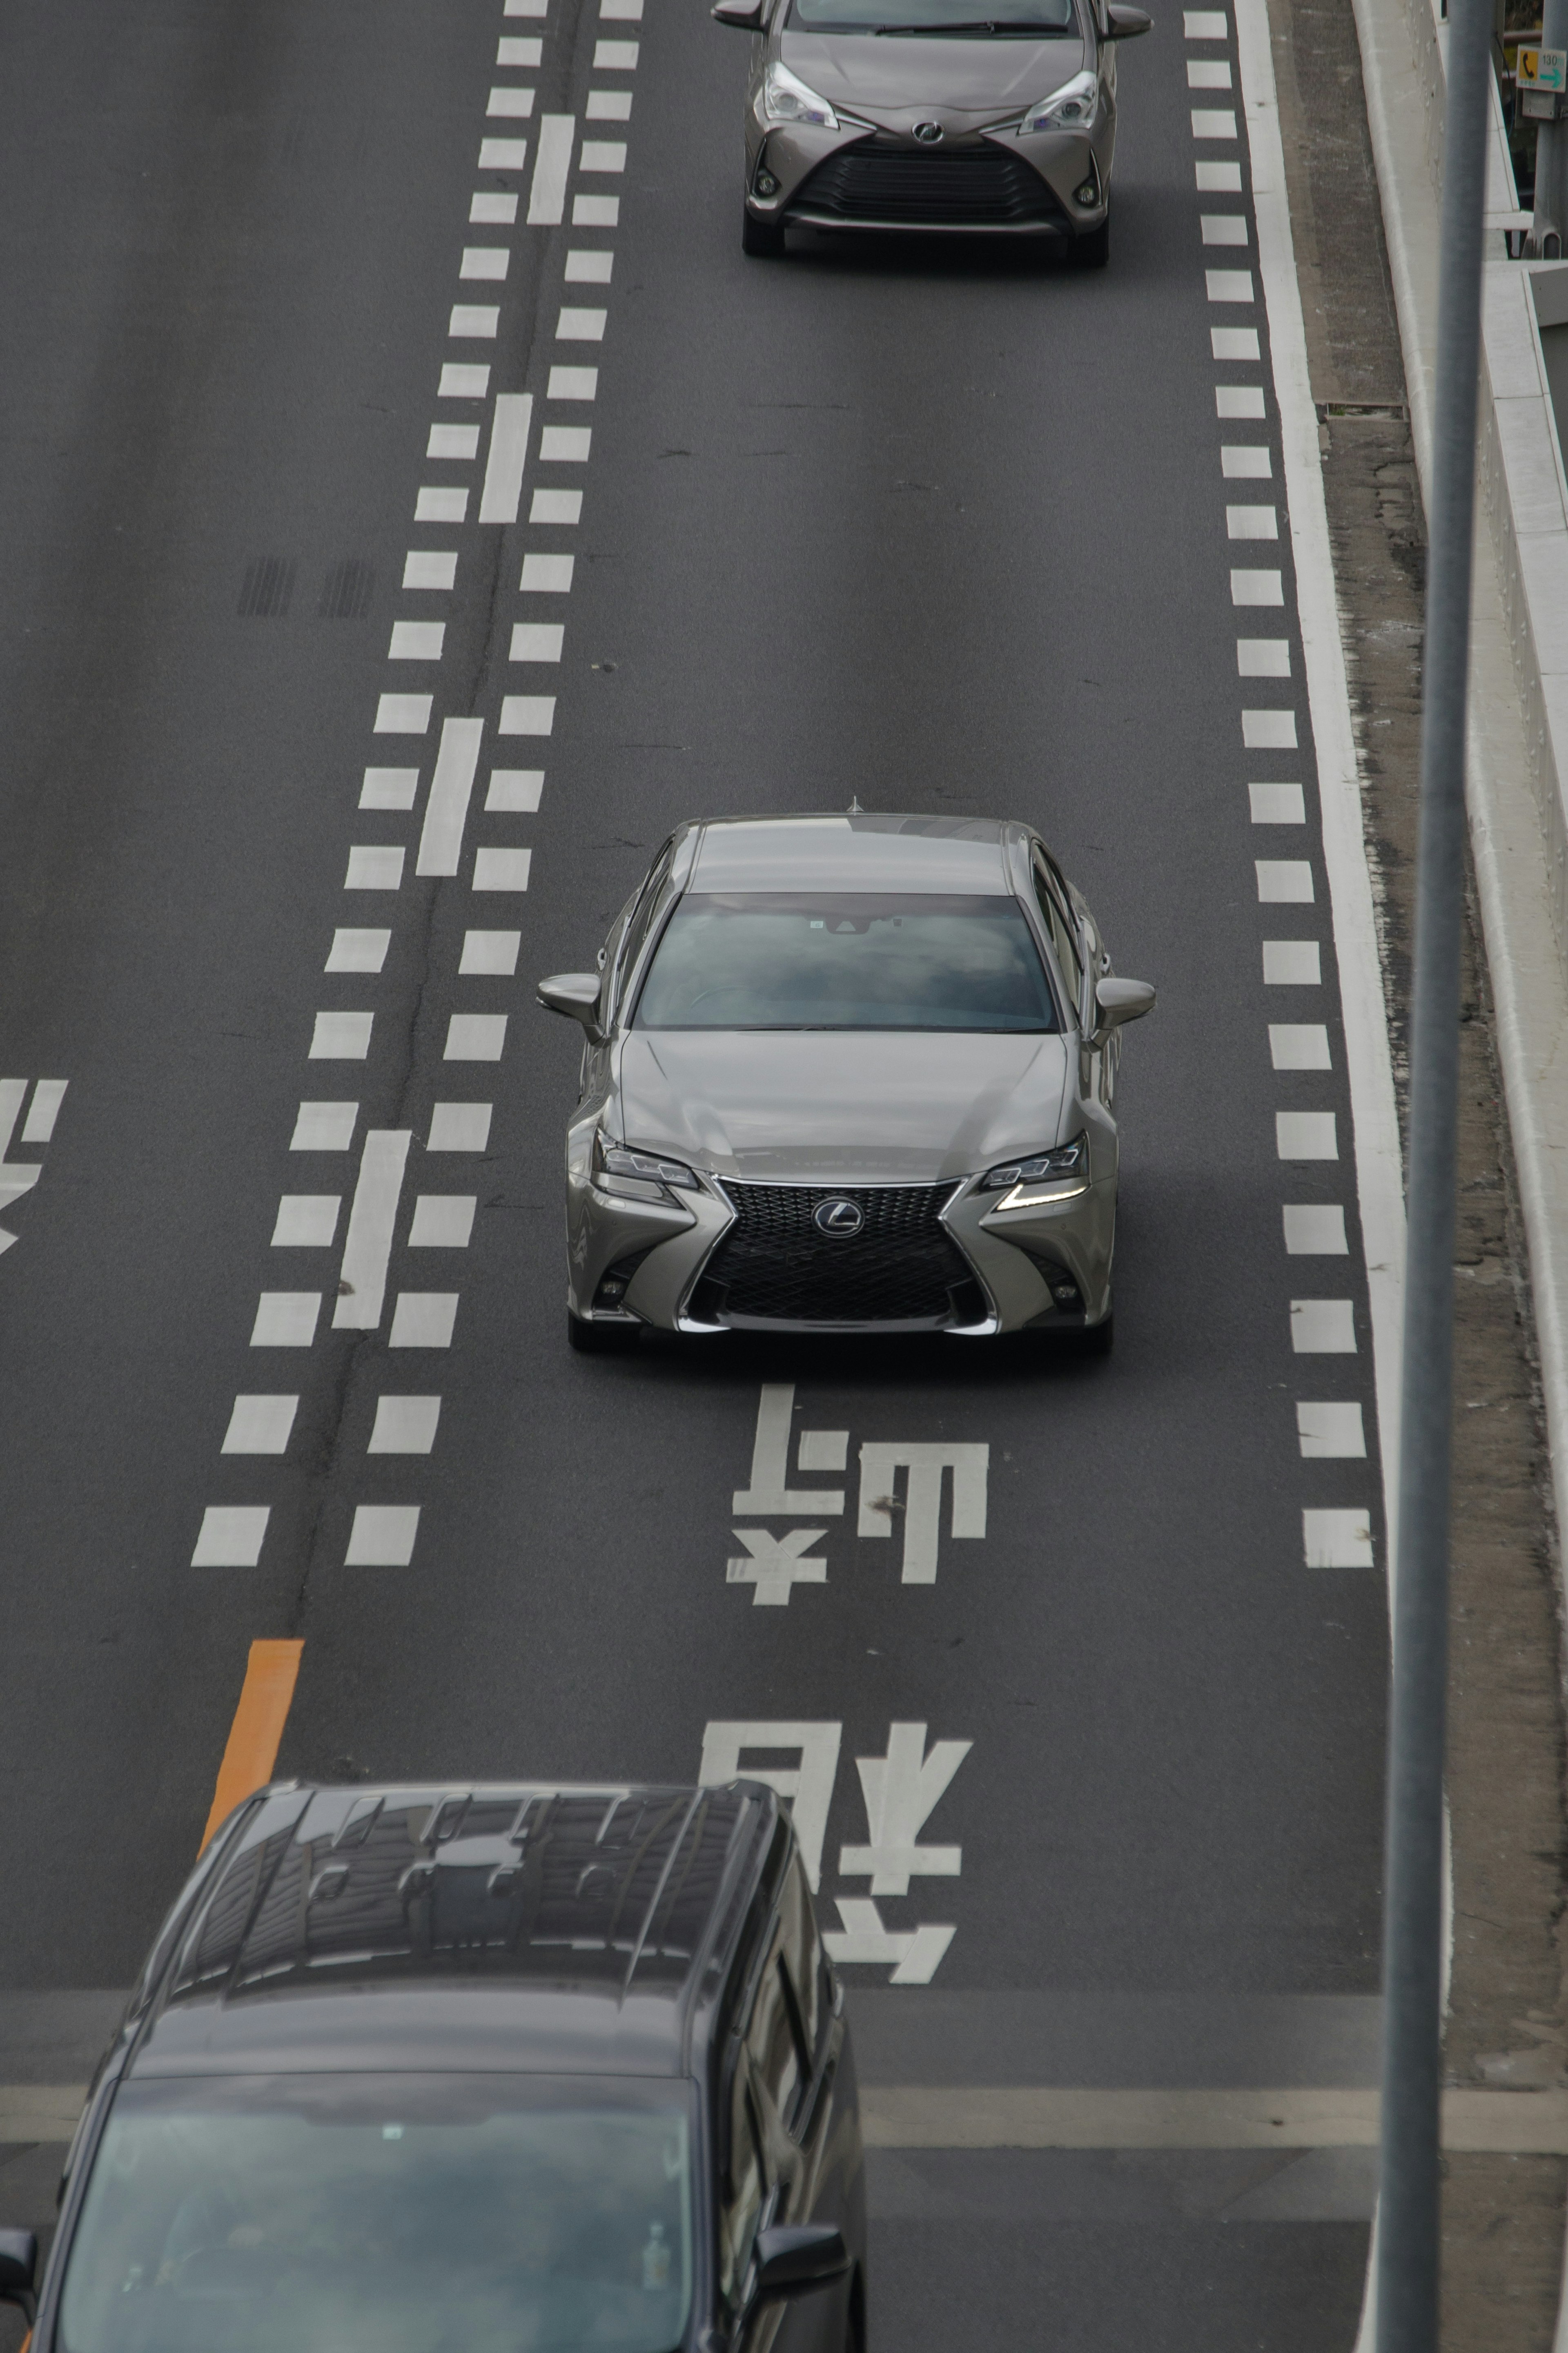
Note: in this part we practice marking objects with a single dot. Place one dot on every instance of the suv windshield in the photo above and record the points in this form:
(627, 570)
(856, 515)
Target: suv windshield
(1032, 20)
(846, 960)
(385, 2214)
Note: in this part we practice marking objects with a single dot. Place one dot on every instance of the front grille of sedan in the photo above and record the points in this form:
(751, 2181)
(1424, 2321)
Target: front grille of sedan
(955, 187)
(774, 1265)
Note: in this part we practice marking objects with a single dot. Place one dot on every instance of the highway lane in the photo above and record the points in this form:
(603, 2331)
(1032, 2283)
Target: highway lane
(943, 530)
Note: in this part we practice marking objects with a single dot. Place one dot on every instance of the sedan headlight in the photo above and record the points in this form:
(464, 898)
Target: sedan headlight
(1071, 107)
(787, 99)
(1043, 1179)
(640, 1175)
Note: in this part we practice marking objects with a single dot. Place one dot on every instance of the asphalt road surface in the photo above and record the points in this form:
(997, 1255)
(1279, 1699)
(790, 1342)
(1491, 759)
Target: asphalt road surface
(941, 528)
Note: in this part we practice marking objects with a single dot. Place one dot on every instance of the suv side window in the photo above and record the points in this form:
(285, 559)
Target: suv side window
(1063, 931)
(743, 2208)
(779, 2065)
(804, 1959)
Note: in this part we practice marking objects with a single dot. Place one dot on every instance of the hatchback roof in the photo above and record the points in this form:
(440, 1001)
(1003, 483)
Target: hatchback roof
(939, 854)
(525, 1926)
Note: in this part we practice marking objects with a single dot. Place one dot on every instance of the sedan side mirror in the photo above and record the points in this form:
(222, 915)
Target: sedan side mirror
(794, 2257)
(1122, 1000)
(19, 2269)
(1125, 22)
(575, 994)
(745, 14)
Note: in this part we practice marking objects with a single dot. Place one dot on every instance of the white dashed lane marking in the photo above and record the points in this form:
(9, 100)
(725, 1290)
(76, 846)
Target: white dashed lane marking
(1322, 1327)
(1331, 1432)
(260, 1425)
(405, 1425)
(1291, 964)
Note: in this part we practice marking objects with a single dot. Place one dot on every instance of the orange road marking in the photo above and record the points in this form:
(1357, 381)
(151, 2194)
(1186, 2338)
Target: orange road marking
(257, 1729)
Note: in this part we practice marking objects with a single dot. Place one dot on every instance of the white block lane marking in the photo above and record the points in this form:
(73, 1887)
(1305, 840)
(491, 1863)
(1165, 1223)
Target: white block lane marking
(403, 714)
(527, 714)
(502, 154)
(1208, 73)
(1322, 1327)
(446, 808)
(924, 1464)
(382, 1536)
(586, 269)
(1214, 178)
(323, 1127)
(480, 261)
(437, 505)
(475, 1037)
(620, 12)
(1315, 1229)
(1331, 1433)
(424, 1319)
(442, 1220)
(501, 869)
(902, 1790)
(552, 161)
(1291, 964)
(1205, 24)
(358, 950)
(260, 1425)
(1213, 123)
(1257, 589)
(524, 53)
(573, 383)
(341, 1036)
(1337, 1539)
(1299, 1046)
(374, 867)
(1306, 1136)
(595, 211)
(1229, 285)
(458, 443)
(1252, 522)
(389, 789)
(807, 1784)
(285, 1319)
(514, 791)
(489, 953)
(38, 1127)
(1277, 804)
(502, 492)
(1268, 731)
(536, 641)
(1223, 229)
(561, 507)
(603, 156)
(429, 568)
(1233, 343)
(573, 326)
(773, 1565)
(1284, 882)
(463, 380)
(459, 1128)
(547, 576)
(367, 1246)
(616, 57)
(509, 104)
(609, 106)
(231, 1535)
(769, 1495)
(306, 1221)
(405, 1425)
(565, 445)
(493, 209)
(1241, 461)
(473, 322)
(1232, 401)
(1262, 658)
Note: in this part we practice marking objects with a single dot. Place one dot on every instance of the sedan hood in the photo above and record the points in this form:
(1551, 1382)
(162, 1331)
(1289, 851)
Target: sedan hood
(902, 80)
(836, 1107)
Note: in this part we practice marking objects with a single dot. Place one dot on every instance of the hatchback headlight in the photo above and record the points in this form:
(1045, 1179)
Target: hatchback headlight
(787, 99)
(640, 1175)
(1043, 1179)
(1071, 107)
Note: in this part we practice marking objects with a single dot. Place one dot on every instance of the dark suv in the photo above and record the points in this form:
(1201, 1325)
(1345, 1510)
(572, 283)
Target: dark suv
(484, 2069)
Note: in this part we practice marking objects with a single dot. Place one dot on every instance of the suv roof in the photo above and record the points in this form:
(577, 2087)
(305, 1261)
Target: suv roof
(523, 1926)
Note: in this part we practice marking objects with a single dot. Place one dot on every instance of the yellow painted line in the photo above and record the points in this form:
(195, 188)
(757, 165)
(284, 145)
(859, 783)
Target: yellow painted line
(1029, 2116)
(257, 1729)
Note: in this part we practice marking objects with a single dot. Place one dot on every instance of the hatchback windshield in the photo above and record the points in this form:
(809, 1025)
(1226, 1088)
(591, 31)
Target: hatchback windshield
(385, 2214)
(786, 960)
(1037, 20)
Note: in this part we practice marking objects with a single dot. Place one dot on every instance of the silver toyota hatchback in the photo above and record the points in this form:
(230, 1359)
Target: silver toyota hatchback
(933, 115)
(846, 1075)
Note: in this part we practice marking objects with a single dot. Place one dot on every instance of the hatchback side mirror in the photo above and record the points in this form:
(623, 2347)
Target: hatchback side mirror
(575, 994)
(18, 2270)
(1126, 23)
(794, 2257)
(745, 14)
(1122, 1000)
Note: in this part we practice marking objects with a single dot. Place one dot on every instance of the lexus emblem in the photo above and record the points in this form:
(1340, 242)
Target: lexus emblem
(839, 1217)
(928, 134)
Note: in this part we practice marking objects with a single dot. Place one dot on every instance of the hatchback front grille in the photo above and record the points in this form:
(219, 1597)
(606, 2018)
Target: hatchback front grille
(955, 187)
(774, 1264)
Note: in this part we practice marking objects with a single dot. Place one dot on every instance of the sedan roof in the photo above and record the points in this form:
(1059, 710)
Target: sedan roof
(914, 854)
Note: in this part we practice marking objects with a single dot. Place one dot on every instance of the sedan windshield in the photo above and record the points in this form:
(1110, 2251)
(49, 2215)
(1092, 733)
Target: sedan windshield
(786, 960)
(980, 20)
(385, 2214)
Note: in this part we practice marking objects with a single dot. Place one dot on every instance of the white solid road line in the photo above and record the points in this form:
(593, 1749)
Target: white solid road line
(367, 1247)
(502, 492)
(447, 810)
(552, 161)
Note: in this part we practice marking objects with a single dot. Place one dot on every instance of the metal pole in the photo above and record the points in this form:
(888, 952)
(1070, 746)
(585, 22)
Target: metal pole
(1408, 2227)
(1550, 226)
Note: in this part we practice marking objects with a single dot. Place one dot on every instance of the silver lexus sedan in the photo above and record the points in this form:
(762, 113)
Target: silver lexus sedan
(933, 115)
(846, 1075)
